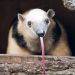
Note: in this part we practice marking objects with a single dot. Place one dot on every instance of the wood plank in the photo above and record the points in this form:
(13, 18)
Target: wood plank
(32, 65)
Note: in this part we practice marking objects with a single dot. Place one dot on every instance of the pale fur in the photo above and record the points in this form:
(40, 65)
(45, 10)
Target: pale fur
(61, 48)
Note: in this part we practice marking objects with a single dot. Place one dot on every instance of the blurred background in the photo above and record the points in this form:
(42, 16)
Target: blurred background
(10, 8)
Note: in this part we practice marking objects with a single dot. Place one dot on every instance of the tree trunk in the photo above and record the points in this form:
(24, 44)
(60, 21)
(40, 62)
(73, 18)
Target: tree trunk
(32, 65)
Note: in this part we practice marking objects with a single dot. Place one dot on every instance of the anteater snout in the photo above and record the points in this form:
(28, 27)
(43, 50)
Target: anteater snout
(40, 33)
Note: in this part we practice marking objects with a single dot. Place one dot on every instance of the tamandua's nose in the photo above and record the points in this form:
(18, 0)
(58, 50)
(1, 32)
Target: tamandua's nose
(41, 33)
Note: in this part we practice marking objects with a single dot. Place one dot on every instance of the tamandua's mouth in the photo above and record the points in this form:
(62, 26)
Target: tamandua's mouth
(40, 33)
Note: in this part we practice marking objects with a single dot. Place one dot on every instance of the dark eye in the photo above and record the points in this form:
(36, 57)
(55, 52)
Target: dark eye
(47, 21)
(29, 23)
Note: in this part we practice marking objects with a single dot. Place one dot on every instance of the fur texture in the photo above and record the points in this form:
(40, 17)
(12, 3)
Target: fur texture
(24, 40)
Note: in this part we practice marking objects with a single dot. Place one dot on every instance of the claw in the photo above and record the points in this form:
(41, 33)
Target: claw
(71, 5)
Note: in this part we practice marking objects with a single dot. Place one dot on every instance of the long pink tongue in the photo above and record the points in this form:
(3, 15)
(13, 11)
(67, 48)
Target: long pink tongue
(42, 46)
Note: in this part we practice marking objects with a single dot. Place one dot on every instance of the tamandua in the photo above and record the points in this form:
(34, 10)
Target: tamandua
(25, 31)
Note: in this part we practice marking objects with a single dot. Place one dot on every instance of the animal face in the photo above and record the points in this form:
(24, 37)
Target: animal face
(37, 21)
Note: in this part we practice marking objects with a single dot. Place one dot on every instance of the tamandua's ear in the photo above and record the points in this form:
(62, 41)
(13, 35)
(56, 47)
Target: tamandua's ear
(51, 13)
(21, 17)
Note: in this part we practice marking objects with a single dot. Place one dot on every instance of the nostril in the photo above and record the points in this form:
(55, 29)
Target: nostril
(41, 34)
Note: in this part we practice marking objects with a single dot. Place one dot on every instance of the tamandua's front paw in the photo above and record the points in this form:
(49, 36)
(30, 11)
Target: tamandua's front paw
(70, 4)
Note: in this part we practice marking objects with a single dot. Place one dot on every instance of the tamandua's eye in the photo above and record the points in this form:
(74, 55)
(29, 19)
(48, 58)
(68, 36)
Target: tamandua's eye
(47, 21)
(29, 23)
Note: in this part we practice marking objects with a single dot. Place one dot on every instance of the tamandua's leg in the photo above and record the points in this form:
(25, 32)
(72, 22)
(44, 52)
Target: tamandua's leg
(60, 49)
(14, 48)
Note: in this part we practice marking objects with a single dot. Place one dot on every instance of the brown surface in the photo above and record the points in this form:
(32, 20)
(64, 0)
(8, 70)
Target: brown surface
(10, 8)
(22, 65)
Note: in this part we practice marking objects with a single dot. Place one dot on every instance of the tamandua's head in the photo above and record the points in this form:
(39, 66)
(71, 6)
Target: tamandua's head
(37, 21)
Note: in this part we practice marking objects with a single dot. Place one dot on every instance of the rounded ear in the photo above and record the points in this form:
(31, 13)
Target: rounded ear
(21, 17)
(51, 13)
